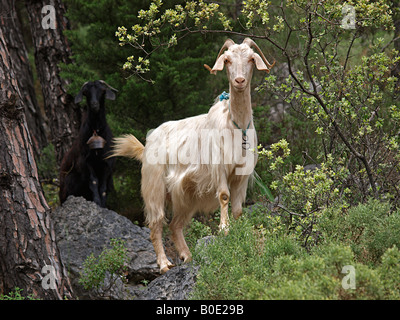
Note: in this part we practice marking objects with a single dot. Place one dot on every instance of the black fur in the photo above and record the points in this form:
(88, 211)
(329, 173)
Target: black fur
(86, 172)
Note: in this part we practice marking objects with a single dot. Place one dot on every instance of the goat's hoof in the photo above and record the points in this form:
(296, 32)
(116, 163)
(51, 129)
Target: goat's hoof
(224, 228)
(166, 268)
(186, 258)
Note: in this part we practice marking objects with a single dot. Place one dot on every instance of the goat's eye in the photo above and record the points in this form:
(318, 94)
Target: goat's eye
(252, 60)
(226, 61)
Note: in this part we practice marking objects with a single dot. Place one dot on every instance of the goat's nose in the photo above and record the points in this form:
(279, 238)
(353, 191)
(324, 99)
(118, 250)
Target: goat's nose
(240, 80)
(95, 106)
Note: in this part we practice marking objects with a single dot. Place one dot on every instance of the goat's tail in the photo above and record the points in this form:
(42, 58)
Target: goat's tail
(128, 146)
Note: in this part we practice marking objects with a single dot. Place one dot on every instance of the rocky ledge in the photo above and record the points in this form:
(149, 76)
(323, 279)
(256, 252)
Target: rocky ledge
(83, 228)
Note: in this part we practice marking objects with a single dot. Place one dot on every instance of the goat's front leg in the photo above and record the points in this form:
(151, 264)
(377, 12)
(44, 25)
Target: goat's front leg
(223, 197)
(238, 192)
(94, 186)
(105, 186)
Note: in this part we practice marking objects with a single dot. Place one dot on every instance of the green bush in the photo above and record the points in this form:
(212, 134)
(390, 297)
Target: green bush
(230, 262)
(110, 261)
(369, 229)
(302, 195)
(258, 260)
(390, 272)
(196, 230)
(16, 294)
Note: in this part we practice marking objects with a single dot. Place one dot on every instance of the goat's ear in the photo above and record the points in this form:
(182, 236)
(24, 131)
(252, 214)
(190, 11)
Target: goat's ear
(260, 64)
(219, 64)
(110, 95)
(78, 97)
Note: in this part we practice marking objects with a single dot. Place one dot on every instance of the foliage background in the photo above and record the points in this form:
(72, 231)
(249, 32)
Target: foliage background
(330, 102)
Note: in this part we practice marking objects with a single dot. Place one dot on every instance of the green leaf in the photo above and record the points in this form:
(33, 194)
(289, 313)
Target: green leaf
(263, 187)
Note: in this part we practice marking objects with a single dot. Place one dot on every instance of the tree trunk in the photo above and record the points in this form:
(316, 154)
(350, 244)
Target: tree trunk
(27, 239)
(52, 48)
(12, 32)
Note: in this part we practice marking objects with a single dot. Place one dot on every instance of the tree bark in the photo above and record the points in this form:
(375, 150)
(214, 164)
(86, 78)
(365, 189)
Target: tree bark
(51, 49)
(12, 32)
(27, 239)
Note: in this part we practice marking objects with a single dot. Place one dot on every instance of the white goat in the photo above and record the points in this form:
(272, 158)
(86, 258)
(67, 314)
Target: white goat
(196, 185)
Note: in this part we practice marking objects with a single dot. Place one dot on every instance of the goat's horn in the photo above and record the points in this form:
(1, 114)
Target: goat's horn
(251, 43)
(207, 67)
(105, 83)
(85, 84)
(226, 45)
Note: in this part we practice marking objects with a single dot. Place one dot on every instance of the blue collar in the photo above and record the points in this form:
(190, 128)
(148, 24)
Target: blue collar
(225, 96)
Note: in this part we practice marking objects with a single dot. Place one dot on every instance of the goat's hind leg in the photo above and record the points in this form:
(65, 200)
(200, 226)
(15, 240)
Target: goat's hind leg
(156, 238)
(154, 193)
(180, 219)
(155, 219)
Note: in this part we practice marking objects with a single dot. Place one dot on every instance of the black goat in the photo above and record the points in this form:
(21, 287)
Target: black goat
(84, 170)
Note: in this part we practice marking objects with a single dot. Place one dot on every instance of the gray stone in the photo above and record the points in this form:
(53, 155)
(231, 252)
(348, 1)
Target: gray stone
(176, 284)
(82, 228)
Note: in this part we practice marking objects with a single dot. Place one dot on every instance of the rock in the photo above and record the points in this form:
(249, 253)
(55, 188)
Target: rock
(82, 228)
(204, 242)
(176, 284)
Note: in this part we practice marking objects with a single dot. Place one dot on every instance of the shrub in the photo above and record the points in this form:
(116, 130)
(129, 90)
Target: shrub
(16, 294)
(303, 194)
(196, 230)
(390, 272)
(241, 259)
(369, 229)
(257, 260)
(111, 262)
